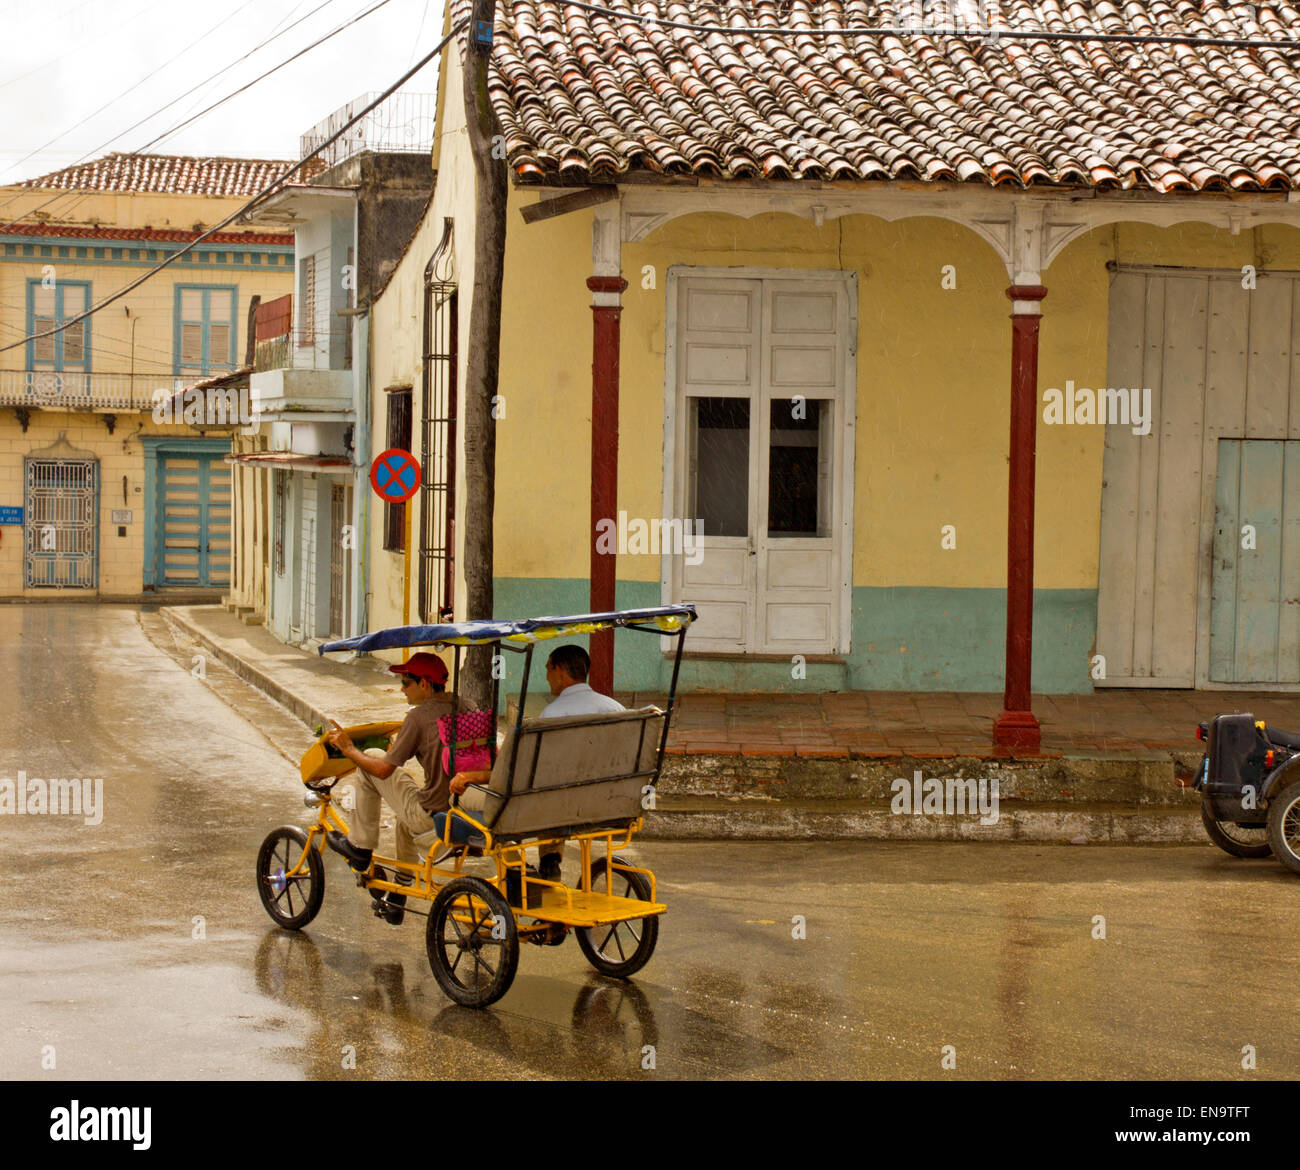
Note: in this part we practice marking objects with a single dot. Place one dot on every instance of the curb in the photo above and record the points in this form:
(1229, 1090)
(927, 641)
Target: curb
(1055, 827)
(687, 816)
(299, 707)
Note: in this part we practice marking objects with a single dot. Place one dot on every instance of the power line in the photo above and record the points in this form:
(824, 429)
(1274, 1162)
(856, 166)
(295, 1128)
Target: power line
(77, 49)
(180, 125)
(80, 195)
(131, 88)
(277, 182)
(959, 29)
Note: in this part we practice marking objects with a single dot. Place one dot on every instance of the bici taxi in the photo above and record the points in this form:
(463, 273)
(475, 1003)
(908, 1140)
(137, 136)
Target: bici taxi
(586, 779)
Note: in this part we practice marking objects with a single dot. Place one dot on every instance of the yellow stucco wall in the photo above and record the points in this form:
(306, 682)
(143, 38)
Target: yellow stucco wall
(933, 373)
(933, 384)
(137, 331)
(120, 454)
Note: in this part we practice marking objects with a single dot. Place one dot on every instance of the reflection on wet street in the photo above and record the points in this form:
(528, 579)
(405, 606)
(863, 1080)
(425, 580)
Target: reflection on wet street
(137, 947)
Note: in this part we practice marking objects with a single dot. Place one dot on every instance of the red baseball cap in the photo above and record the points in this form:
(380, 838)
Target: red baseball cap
(422, 665)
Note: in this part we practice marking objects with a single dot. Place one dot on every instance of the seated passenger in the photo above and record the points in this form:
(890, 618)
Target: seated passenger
(566, 675)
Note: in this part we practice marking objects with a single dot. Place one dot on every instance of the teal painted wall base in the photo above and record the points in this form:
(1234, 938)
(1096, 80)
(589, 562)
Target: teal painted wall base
(904, 639)
(916, 639)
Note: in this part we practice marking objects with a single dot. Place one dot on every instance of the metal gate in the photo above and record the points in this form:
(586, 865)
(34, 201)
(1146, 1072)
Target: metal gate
(62, 529)
(193, 539)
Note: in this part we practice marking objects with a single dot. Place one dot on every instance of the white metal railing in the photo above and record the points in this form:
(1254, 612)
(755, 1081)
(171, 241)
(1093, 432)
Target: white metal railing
(405, 122)
(54, 389)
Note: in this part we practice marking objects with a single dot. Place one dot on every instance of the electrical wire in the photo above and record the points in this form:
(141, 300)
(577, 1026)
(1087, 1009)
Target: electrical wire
(273, 185)
(80, 195)
(72, 52)
(988, 33)
(172, 59)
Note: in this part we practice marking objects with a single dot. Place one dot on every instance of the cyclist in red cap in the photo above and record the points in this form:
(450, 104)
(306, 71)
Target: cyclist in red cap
(424, 684)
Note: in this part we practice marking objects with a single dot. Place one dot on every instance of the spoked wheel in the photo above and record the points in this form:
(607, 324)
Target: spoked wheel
(292, 902)
(472, 942)
(620, 949)
(1239, 840)
(1284, 826)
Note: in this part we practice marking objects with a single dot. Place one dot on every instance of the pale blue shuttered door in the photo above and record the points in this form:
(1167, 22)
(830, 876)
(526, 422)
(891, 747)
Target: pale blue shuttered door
(1255, 589)
(194, 521)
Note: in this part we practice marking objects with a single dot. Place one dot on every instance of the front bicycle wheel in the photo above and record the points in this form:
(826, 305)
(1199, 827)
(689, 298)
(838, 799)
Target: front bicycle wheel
(291, 901)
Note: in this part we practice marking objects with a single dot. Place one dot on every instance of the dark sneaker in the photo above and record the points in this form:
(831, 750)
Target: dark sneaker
(358, 859)
(395, 908)
(395, 903)
(549, 870)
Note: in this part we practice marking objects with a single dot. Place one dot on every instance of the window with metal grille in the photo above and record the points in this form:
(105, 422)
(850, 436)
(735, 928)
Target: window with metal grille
(438, 453)
(205, 328)
(399, 435)
(307, 301)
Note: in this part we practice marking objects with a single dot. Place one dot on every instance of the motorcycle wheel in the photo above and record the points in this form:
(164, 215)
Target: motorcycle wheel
(1233, 838)
(1284, 826)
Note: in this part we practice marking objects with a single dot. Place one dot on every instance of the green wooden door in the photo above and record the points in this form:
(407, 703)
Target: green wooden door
(1255, 585)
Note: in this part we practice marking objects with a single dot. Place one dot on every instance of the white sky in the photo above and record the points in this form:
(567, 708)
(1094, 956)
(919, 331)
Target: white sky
(60, 60)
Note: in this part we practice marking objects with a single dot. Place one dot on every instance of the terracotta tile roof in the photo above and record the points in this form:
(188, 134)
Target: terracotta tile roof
(176, 174)
(163, 234)
(585, 97)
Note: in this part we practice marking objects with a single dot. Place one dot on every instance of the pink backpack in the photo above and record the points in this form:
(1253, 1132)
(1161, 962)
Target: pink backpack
(475, 732)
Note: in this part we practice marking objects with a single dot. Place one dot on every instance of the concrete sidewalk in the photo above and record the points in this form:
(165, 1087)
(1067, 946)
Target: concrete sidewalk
(824, 766)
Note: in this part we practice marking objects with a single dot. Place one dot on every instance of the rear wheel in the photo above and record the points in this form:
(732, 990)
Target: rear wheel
(472, 941)
(292, 902)
(620, 949)
(1284, 826)
(1239, 840)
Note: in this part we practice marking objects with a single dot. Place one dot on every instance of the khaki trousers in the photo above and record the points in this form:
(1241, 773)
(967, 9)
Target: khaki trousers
(401, 791)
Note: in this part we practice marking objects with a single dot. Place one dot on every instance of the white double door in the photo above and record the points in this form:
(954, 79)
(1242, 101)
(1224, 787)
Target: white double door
(760, 448)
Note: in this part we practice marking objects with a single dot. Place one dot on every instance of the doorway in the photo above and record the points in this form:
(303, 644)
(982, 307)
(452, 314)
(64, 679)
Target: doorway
(760, 459)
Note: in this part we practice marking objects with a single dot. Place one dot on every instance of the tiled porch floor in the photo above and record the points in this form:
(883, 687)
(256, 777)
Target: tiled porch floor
(893, 723)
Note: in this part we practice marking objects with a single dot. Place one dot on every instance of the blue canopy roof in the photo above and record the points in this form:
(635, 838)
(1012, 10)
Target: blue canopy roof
(666, 618)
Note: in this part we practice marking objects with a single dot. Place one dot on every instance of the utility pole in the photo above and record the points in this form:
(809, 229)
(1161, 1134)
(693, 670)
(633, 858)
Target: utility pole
(484, 357)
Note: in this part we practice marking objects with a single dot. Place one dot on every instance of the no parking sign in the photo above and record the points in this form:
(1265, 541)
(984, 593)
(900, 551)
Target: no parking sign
(395, 475)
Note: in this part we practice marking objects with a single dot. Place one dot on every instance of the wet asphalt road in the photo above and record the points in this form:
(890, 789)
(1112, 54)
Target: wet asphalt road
(909, 947)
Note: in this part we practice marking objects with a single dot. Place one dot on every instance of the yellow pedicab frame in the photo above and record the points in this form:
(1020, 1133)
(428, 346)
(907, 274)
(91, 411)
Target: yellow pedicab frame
(581, 908)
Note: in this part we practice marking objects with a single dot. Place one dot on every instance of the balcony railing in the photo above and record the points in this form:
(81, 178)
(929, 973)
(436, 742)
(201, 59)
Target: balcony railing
(404, 123)
(50, 389)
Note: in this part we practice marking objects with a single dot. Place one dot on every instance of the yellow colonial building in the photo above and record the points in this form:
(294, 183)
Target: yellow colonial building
(108, 487)
(968, 375)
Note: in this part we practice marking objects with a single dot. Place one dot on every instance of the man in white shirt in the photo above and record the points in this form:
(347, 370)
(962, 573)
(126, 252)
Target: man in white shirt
(566, 675)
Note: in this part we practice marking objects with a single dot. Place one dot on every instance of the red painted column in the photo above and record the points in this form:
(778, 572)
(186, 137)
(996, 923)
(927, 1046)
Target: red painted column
(1016, 727)
(605, 311)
